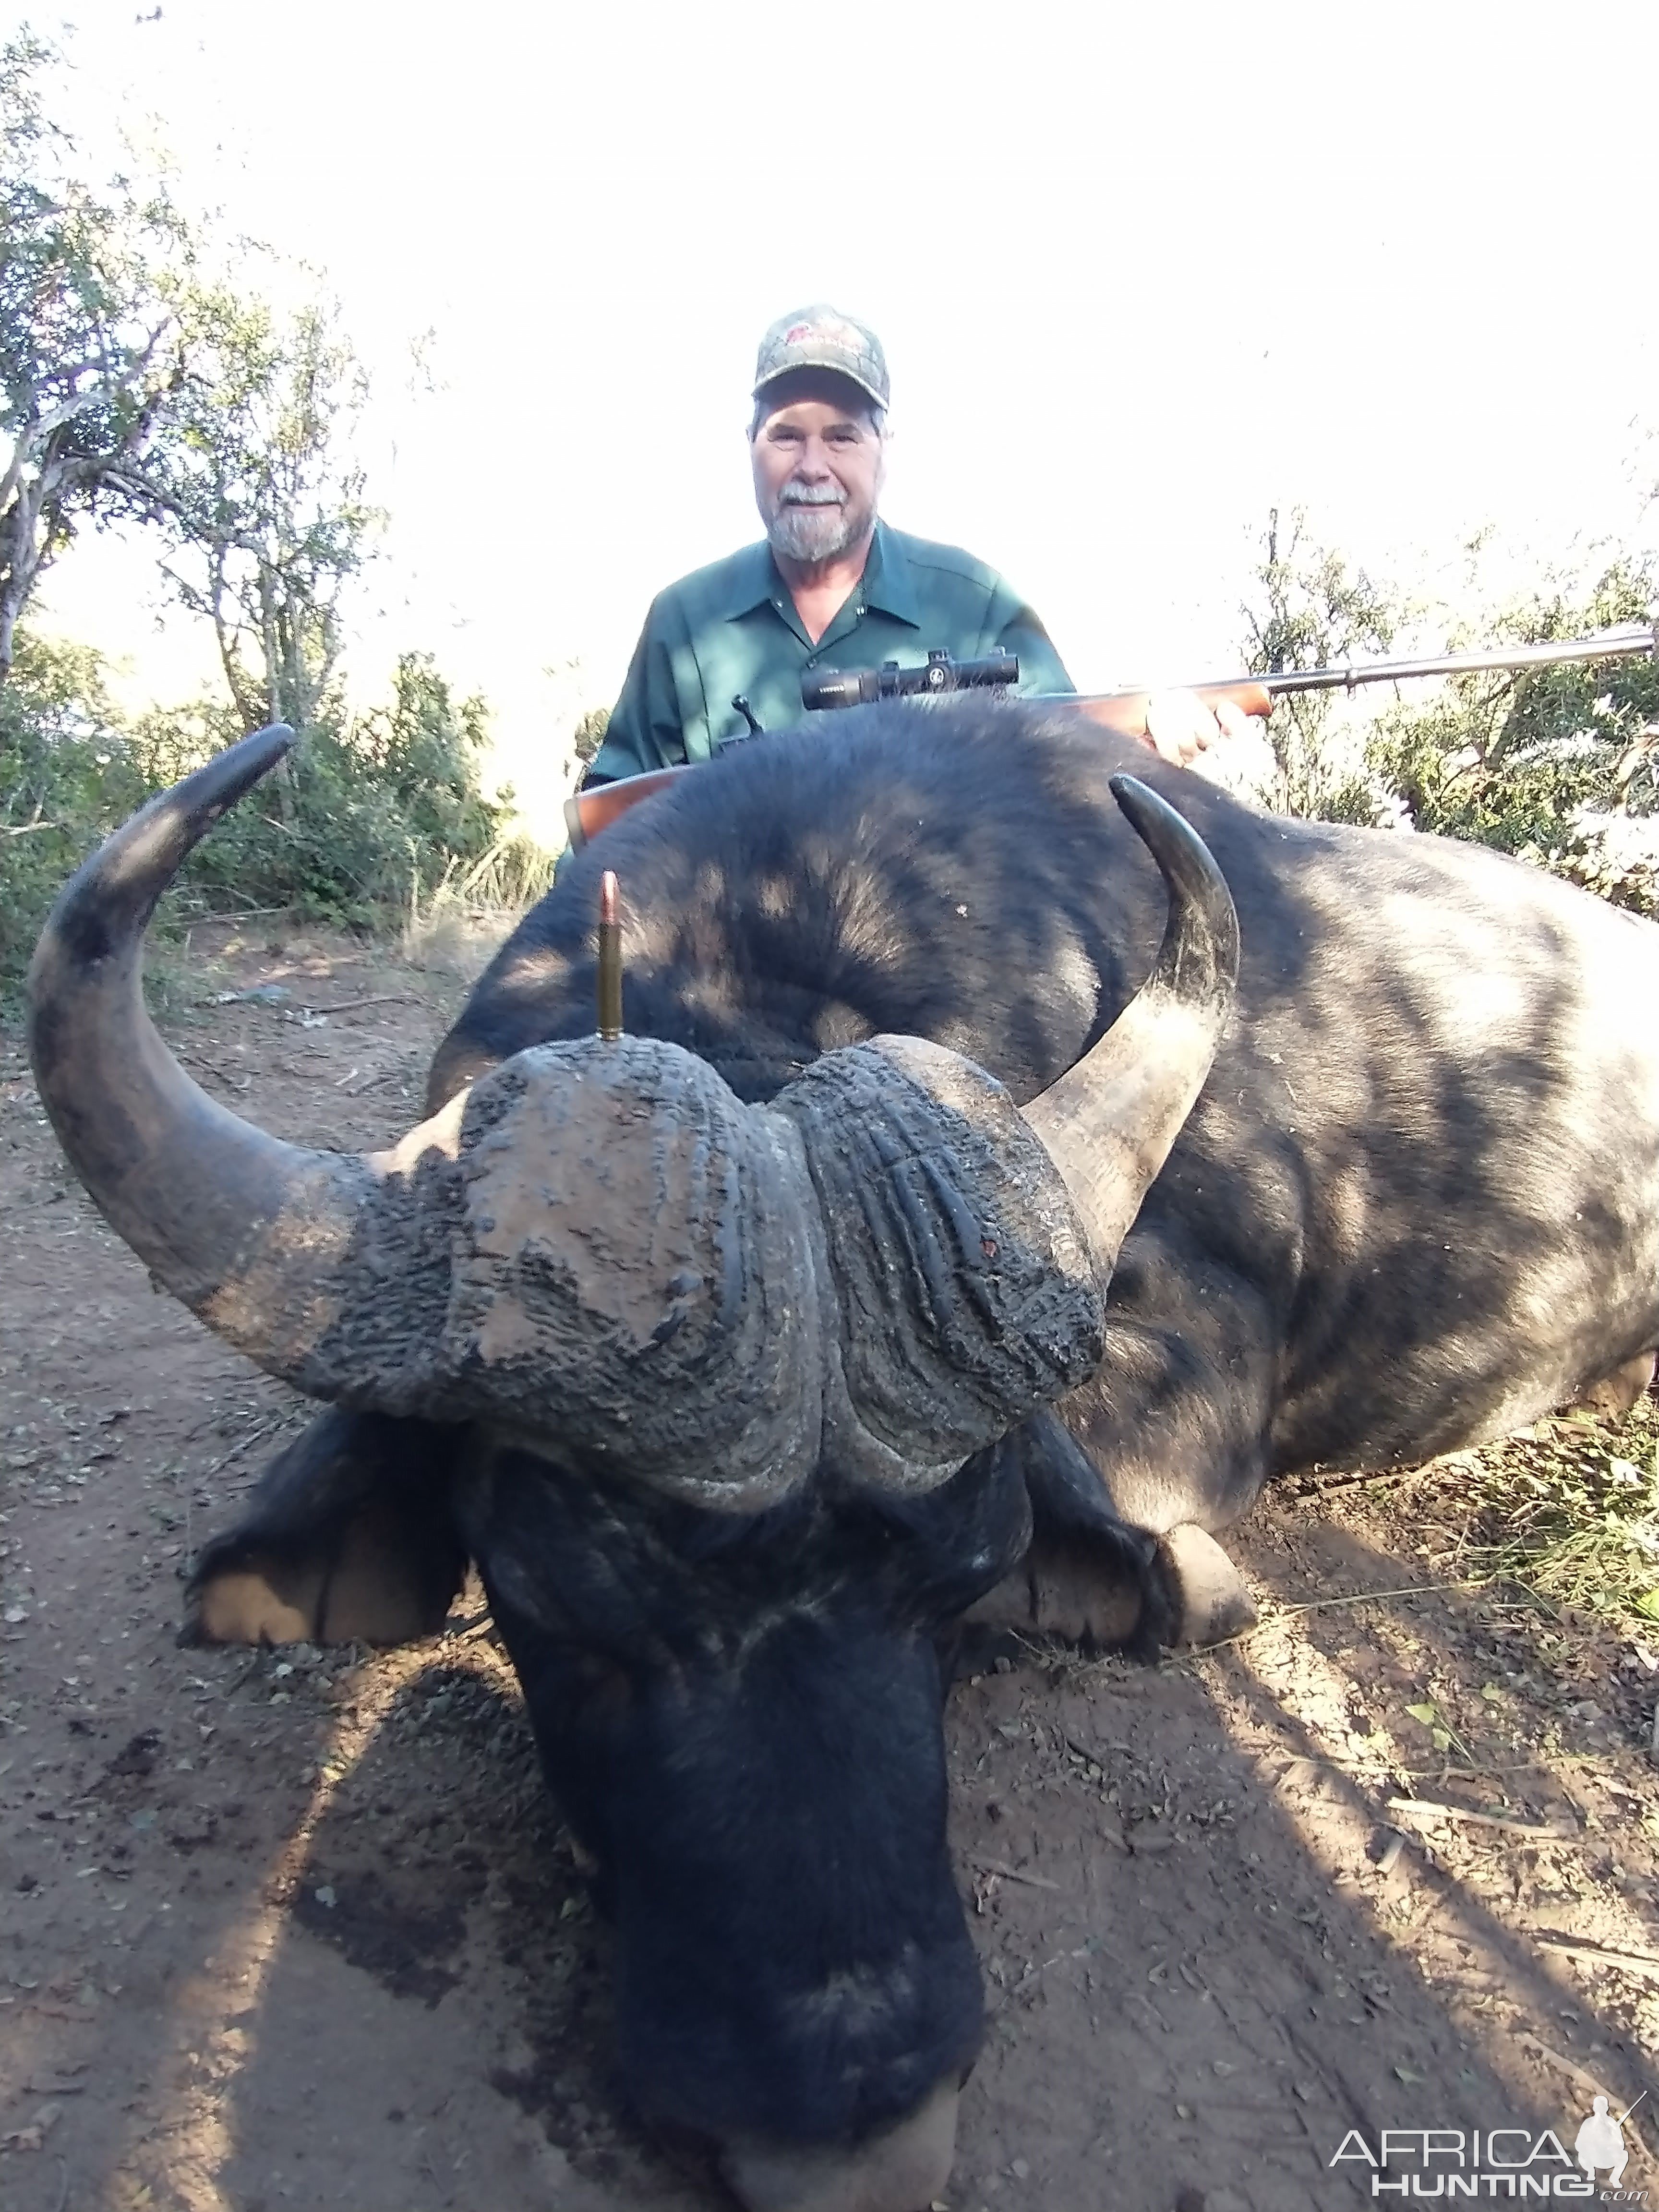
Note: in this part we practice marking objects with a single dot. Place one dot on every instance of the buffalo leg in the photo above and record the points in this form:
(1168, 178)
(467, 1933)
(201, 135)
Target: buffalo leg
(1087, 1578)
(1615, 1393)
(1176, 1427)
(1092, 1580)
(347, 1538)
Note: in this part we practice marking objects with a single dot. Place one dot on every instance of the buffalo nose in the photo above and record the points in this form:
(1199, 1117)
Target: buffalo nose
(901, 2170)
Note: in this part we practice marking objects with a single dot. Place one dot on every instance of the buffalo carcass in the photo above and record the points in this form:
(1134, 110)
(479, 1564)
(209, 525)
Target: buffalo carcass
(727, 1350)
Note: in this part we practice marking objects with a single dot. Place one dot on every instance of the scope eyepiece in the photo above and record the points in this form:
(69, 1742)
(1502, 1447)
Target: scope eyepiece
(835, 689)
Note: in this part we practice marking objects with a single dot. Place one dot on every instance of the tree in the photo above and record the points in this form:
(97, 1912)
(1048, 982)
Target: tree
(136, 384)
(89, 343)
(261, 497)
(1313, 612)
(590, 734)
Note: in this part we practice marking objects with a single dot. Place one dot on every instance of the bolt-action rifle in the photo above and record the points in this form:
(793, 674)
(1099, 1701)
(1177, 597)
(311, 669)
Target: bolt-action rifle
(1124, 712)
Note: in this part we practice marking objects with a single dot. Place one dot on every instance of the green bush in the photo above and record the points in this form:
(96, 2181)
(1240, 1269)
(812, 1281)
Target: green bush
(1546, 763)
(368, 817)
(590, 733)
(67, 778)
(365, 814)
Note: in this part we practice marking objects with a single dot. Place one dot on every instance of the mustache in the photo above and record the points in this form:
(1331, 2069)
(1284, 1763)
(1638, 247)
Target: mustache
(801, 494)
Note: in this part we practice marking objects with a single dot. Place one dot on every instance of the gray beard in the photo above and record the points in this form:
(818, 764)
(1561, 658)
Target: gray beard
(814, 533)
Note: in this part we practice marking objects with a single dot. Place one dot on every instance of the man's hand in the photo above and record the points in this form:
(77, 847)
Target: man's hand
(1180, 726)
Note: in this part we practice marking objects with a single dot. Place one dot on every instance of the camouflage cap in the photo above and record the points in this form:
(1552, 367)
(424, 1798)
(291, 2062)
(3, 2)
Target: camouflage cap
(822, 337)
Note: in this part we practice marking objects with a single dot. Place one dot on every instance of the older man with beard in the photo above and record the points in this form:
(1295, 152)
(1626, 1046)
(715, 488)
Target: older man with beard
(832, 586)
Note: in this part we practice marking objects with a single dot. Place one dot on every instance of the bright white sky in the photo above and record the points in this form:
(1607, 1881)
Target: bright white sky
(1140, 274)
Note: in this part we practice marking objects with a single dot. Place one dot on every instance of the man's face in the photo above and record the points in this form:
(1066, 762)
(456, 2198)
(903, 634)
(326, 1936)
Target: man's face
(819, 463)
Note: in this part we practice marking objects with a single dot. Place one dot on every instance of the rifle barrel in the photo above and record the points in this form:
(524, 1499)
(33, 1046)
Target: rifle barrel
(1614, 645)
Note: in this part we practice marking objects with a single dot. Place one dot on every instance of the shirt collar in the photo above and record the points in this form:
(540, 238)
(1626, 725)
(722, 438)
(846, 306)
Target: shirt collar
(755, 580)
(887, 583)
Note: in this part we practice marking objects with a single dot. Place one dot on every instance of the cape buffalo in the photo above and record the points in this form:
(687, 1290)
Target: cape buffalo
(727, 1349)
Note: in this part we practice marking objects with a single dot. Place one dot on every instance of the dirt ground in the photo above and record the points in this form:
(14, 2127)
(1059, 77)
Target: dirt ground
(301, 1929)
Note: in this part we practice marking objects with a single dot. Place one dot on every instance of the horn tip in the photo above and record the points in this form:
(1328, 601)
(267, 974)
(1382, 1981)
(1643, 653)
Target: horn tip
(1188, 867)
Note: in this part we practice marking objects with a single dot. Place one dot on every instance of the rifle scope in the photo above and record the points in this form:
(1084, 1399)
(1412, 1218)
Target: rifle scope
(857, 687)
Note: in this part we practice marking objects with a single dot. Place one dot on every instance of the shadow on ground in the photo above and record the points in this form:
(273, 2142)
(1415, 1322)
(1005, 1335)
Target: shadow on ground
(1197, 1979)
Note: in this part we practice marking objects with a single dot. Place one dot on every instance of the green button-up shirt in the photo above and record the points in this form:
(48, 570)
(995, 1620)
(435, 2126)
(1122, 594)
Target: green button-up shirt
(733, 629)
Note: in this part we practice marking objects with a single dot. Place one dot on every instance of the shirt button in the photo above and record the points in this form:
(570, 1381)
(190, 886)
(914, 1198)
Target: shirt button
(812, 660)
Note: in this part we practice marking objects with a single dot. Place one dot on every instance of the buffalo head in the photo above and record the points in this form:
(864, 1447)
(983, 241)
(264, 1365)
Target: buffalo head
(738, 1397)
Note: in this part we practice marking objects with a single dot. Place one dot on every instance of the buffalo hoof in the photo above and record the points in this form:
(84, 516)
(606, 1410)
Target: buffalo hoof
(1061, 1590)
(368, 1584)
(1207, 1601)
(346, 1539)
(903, 2170)
(1615, 1393)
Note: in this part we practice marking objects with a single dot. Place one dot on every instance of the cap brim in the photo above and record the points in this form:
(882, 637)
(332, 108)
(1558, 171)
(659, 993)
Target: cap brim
(820, 368)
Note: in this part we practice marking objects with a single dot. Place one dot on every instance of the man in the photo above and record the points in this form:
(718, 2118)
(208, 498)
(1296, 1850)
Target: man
(832, 586)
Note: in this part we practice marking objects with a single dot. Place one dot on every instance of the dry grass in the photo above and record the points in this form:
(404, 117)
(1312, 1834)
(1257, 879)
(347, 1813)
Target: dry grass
(1569, 1514)
(492, 890)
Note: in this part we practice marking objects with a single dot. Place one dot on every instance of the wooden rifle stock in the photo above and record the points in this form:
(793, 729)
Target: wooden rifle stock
(588, 813)
(1124, 712)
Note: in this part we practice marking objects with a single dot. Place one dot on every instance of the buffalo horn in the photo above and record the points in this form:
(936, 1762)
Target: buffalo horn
(1110, 1122)
(208, 1201)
